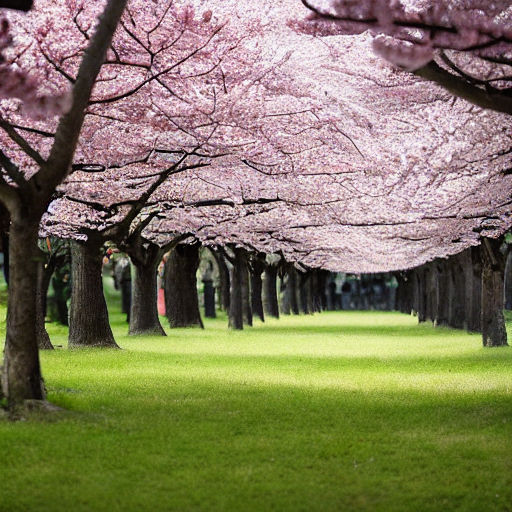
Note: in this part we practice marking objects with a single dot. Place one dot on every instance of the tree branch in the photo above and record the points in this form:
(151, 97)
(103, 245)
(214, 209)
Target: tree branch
(70, 125)
(21, 142)
(461, 88)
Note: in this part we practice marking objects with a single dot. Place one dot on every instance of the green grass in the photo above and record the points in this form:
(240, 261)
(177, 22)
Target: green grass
(339, 411)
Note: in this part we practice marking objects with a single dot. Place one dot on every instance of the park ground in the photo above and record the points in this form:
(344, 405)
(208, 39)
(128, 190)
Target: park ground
(334, 411)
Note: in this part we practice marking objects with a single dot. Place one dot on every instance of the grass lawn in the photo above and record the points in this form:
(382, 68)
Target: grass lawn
(339, 411)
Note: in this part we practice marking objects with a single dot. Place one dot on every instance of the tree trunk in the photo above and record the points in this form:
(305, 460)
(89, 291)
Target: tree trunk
(285, 296)
(144, 310)
(473, 289)
(43, 281)
(400, 292)
(443, 276)
(404, 300)
(88, 324)
(5, 248)
(123, 280)
(45, 278)
(319, 295)
(457, 293)
(5, 221)
(474, 319)
(126, 297)
(236, 309)
(420, 294)
(305, 292)
(494, 333)
(508, 282)
(209, 298)
(257, 268)
(225, 286)
(292, 289)
(21, 374)
(415, 291)
(270, 301)
(432, 291)
(181, 300)
(246, 293)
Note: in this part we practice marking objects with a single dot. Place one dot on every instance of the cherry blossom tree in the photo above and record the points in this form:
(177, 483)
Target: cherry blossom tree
(89, 216)
(27, 194)
(463, 46)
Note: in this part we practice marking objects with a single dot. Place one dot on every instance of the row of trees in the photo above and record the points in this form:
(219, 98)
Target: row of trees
(184, 124)
(463, 291)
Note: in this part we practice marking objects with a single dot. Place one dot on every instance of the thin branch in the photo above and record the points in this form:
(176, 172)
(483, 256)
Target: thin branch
(12, 170)
(160, 73)
(21, 142)
(33, 130)
(70, 125)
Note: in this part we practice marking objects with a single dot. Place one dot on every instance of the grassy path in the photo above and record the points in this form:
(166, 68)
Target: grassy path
(338, 411)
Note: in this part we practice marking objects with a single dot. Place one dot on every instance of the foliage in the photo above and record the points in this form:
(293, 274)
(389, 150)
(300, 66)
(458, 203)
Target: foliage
(313, 148)
(320, 152)
(464, 46)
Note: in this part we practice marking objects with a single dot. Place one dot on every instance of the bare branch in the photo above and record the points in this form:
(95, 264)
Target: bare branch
(21, 142)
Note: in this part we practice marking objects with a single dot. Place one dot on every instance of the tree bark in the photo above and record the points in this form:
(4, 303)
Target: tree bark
(123, 281)
(270, 301)
(225, 285)
(236, 309)
(508, 282)
(441, 315)
(144, 309)
(319, 295)
(89, 323)
(494, 333)
(209, 298)
(257, 267)
(21, 374)
(43, 281)
(403, 301)
(285, 296)
(474, 323)
(400, 292)
(304, 280)
(420, 294)
(5, 247)
(243, 261)
(432, 291)
(457, 299)
(493, 100)
(181, 300)
(473, 289)
(292, 289)
(415, 291)
(5, 221)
